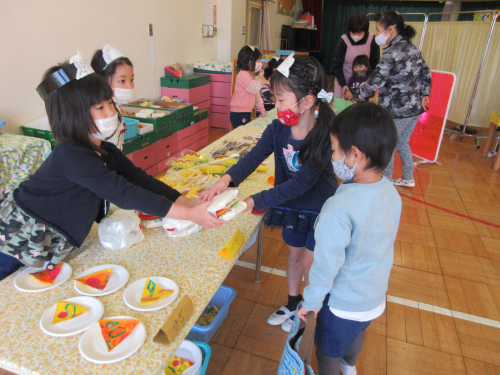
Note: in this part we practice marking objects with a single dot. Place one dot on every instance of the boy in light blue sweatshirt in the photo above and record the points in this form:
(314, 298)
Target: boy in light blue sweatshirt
(355, 234)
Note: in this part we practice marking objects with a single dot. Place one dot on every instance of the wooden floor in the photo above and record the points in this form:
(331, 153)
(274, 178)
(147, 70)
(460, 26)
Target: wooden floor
(443, 309)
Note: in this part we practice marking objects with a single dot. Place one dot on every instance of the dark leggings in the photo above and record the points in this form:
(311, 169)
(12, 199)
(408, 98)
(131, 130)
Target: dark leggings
(331, 366)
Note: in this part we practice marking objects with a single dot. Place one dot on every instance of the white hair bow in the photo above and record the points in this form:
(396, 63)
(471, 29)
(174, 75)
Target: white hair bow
(285, 66)
(252, 48)
(325, 96)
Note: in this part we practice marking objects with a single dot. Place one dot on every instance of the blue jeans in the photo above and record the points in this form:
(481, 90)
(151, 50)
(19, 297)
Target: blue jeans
(239, 118)
(8, 265)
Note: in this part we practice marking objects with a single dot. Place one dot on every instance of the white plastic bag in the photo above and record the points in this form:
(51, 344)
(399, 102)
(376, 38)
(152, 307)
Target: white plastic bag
(180, 228)
(229, 200)
(120, 230)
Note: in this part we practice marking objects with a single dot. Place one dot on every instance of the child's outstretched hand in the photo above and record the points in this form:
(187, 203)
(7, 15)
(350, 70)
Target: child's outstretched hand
(250, 204)
(217, 188)
(201, 216)
(348, 95)
(303, 312)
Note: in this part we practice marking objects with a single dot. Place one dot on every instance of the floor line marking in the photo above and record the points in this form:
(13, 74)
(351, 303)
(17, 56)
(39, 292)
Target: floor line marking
(450, 211)
(399, 301)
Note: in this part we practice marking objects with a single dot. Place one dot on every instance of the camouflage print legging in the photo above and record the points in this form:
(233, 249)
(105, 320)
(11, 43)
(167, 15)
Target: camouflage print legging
(22, 237)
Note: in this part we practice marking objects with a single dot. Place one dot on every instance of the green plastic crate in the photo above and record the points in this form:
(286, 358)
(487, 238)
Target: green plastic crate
(145, 140)
(158, 123)
(128, 147)
(167, 131)
(187, 82)
(185, 122)
(196, 70)
(200, 114)
(180, 109)
(37, 133)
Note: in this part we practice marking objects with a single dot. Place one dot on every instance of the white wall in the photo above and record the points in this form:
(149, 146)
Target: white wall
(35, 35)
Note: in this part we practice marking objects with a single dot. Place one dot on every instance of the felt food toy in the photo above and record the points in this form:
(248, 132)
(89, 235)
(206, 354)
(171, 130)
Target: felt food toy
(196, 158)
(153, 293)
(186, 173)
(177, 366)
(67, 311)
(227, 205)
(262, 168)
(147, 103)
(182, 164)
(48, 276)
(208, 316)
(225, 161)
(96, 280)
(270, 180)
(114, 331)
(213, 169)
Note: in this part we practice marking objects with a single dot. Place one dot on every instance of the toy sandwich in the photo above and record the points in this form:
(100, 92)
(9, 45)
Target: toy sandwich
(227, 205)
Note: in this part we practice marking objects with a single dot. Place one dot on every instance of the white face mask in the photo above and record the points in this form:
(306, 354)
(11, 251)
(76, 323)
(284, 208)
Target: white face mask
(343, 171)
(381, 40)
(108, 129)
(356, 38)
(123, 96)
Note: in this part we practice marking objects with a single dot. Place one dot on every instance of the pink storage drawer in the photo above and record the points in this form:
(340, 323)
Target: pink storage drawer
(147, 157)
(199, 144)
(184, 133)
(220, 120)
(220, 109)
(162, 164)
(153, 171)
(221, 90)
(221, 101)
(218, 77)
(192, 139)
(167, 147)
(204, 105)
(194, 95)
(131, 157)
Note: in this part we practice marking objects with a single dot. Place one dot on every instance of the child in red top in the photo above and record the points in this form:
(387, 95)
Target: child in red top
(246, 94)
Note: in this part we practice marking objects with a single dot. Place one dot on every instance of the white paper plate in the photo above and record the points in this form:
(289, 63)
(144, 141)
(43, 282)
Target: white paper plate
(93, 348)
(132, 295)
(76, 325)
(189, 350)
(118, 278)
(27, 283)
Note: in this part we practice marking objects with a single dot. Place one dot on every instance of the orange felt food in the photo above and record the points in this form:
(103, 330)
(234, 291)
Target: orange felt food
(48, 276)
(114, 331)
(96, 280)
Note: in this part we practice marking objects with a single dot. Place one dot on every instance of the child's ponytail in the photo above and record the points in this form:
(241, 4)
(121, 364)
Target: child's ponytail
(307, 77)
(393, 18)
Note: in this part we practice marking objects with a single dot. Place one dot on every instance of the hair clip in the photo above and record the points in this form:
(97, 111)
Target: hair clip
(324, 96)
(285, 66)
(110, 53)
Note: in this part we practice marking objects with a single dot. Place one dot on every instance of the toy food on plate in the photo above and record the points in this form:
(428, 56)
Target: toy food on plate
(212, 169)
(48, 276)
(153, 293)
(96, 280)
(262, 168)
(186, 173)
(195, 157)
(67, 311)
(227, 205)
(177, 366)
(226, 161)
(182, 164)
(114, 331)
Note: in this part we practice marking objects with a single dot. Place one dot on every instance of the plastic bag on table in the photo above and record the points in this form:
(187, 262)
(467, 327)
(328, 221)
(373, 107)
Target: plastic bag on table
(180, 228)
(227, 205)
(120, 230)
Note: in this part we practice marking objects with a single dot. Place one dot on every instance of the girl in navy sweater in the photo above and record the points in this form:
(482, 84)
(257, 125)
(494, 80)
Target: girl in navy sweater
(50, 214)
(304, 177)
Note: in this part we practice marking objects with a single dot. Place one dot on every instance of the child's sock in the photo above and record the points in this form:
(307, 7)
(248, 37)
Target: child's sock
(293, 302)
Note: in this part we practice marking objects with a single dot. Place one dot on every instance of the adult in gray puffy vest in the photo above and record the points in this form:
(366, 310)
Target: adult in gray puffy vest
(404, 83)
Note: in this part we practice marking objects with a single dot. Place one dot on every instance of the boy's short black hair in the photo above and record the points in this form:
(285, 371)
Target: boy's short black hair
(362, 60)
(99, 65)
(68, 107)
(371, 129)
(358, 23)
(271, 65)
(245, 56)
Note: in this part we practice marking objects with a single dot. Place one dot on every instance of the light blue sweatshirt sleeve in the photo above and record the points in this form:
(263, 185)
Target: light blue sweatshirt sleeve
(332, 236)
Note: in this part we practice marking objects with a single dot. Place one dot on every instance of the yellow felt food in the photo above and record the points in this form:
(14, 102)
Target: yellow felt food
(225, 161)
(195, 157)
(262, 168)
(212, 169)
(67, 311)
(182, 164)
(177, 366)
(153, 293)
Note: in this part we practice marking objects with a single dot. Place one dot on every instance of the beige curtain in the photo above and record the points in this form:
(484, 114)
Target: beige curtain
(267, 25)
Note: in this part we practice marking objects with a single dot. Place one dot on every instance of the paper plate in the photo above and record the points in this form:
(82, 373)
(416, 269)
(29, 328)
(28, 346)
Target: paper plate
(190, 351)
(76, 325)
(27, 283)
(132, 295)
(93, 348)
(118, 278)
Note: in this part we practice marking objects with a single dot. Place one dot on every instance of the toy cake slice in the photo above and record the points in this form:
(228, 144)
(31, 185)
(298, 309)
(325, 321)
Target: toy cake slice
(67, 310)
(97, 280)
(48, 276)
(114, 331)
(153, 293)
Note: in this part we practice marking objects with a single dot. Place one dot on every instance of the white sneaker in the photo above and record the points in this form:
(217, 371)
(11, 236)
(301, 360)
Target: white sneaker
(402, 182)
(287, 324)
(276, 319)
(347, 370)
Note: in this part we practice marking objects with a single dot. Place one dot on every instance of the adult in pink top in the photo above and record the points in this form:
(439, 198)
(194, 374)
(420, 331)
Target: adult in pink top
(246, 94)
